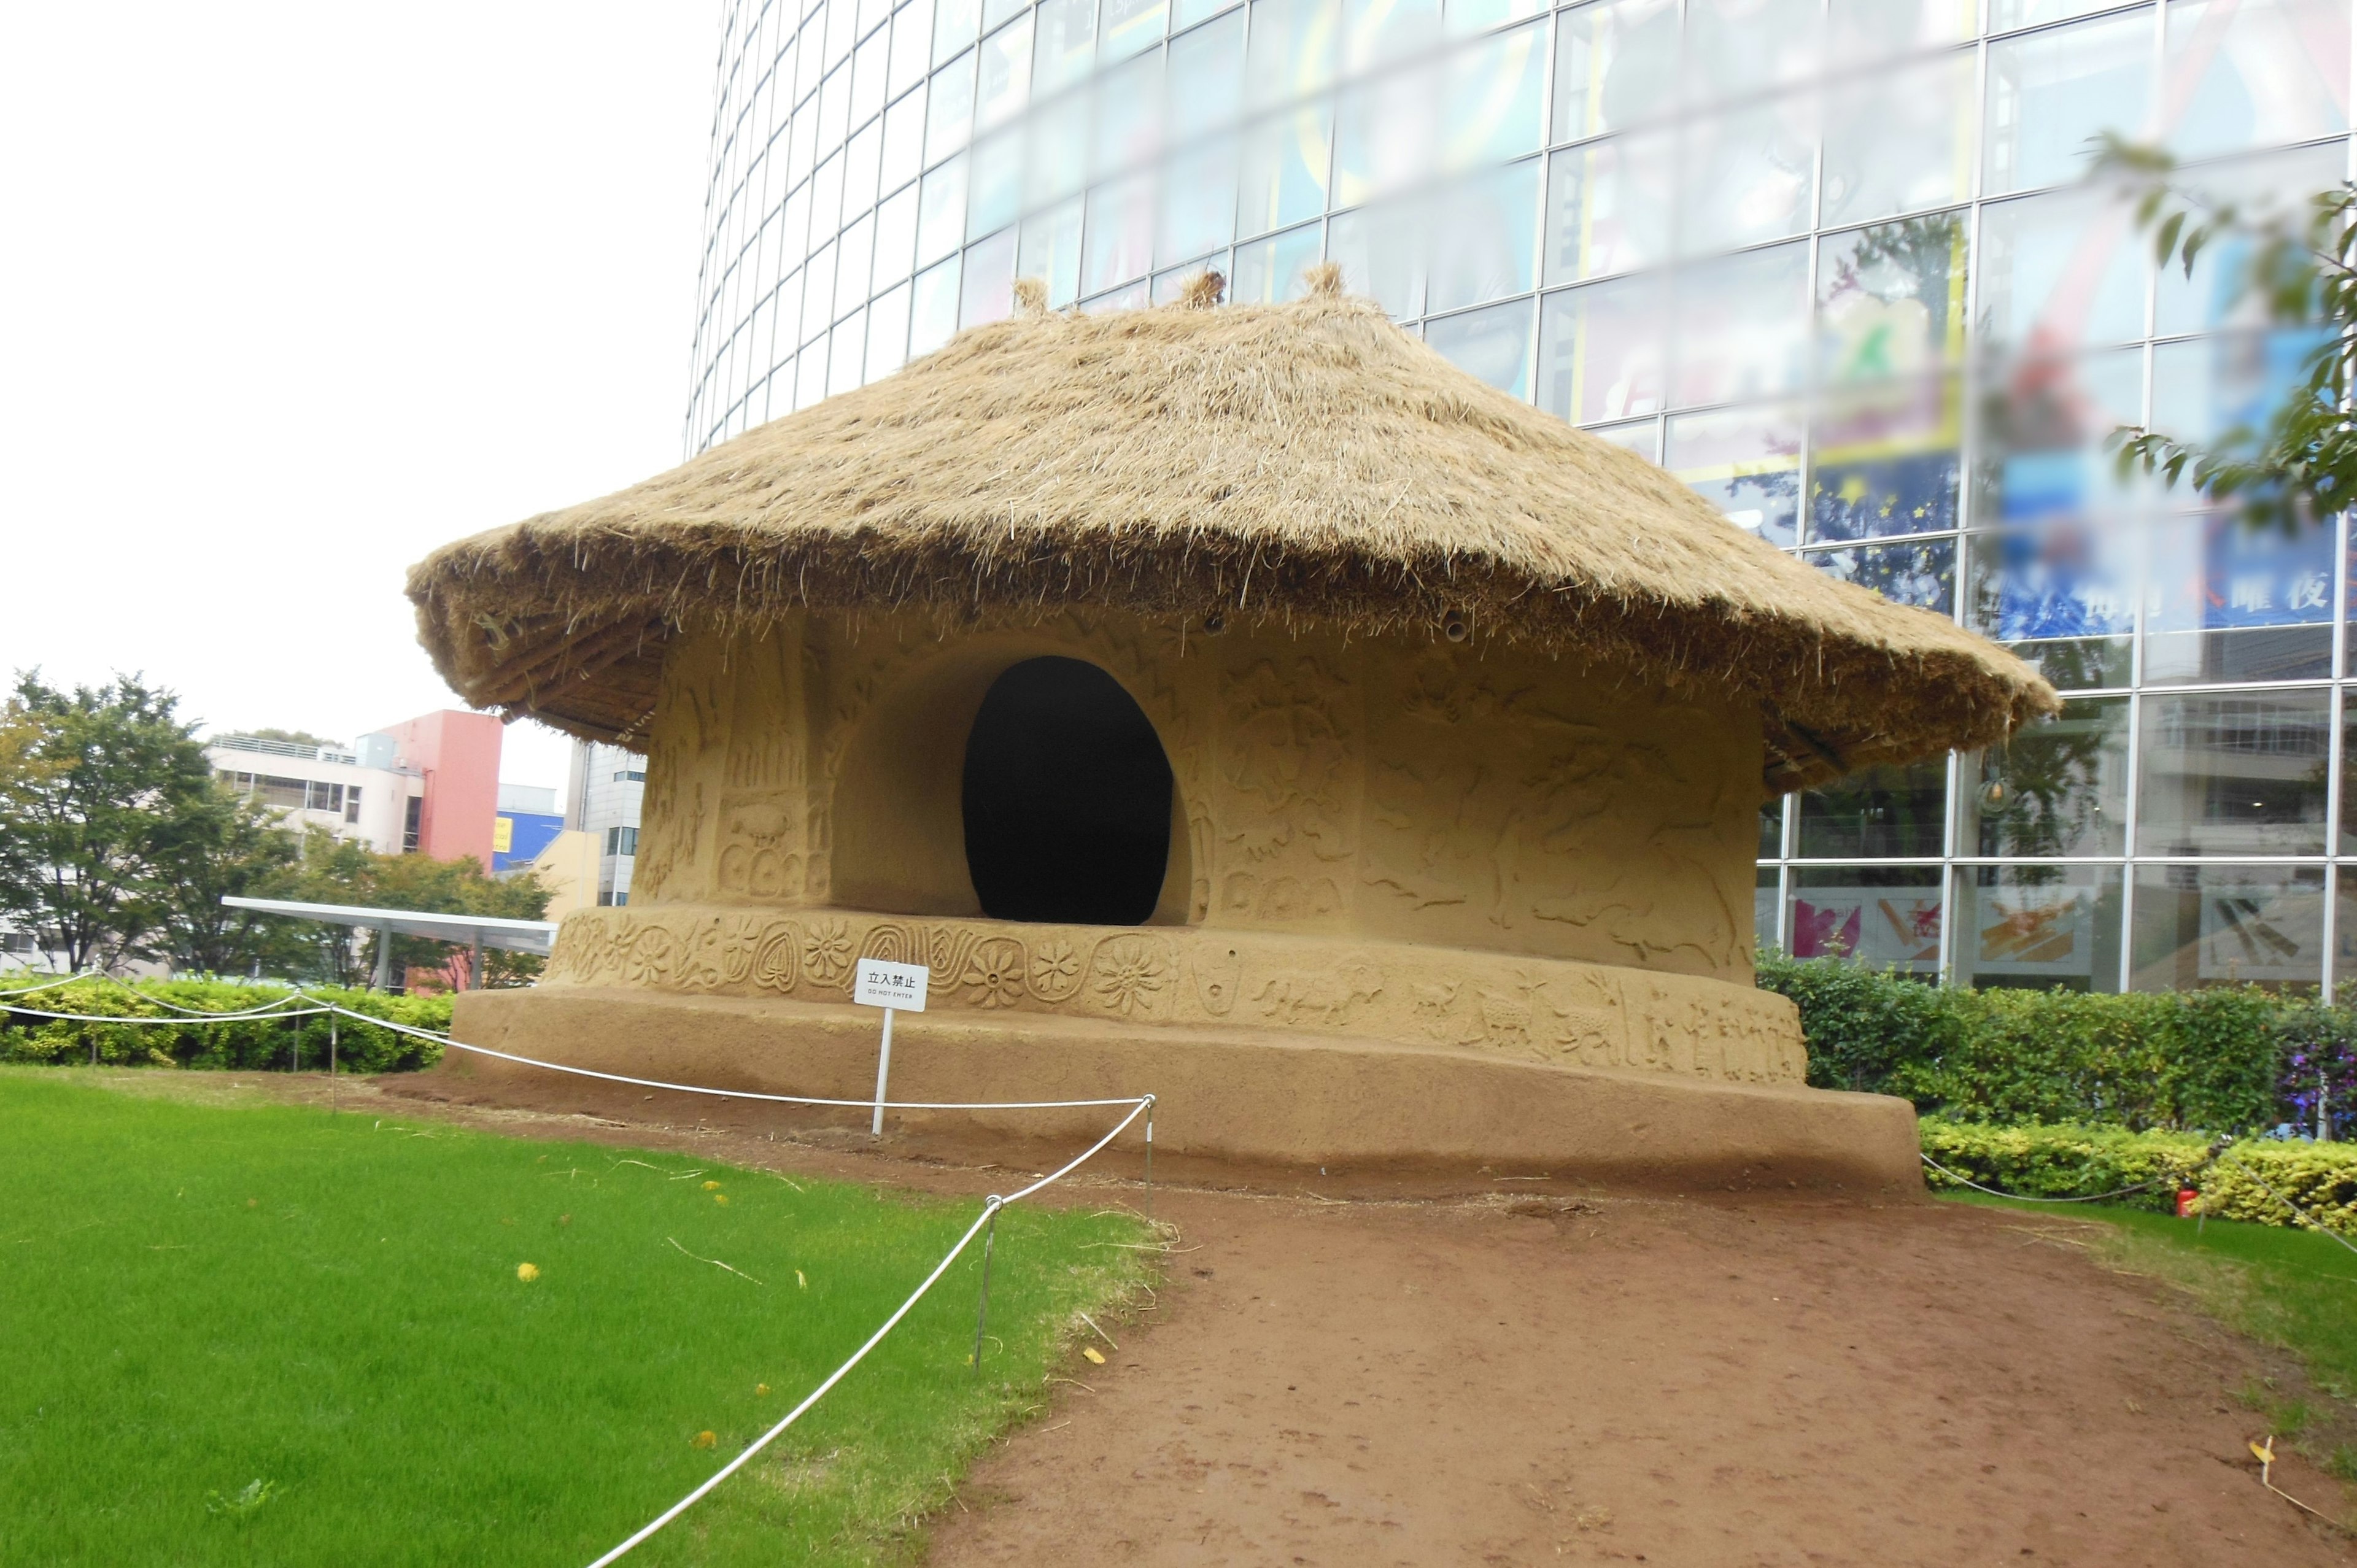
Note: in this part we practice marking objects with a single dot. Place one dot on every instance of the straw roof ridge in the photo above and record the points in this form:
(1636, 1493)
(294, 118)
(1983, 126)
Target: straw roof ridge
(1300, 464)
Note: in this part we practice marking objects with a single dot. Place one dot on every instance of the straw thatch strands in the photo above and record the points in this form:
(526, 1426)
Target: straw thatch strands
(1303, 463)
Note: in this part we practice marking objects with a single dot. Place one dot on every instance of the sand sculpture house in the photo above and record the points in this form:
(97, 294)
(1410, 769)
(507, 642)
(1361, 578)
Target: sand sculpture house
(1241, 703)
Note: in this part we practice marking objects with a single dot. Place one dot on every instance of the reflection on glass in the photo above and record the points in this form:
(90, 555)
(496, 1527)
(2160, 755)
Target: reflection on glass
(995, 183)
(1890, 300)
(1064, 45)
(1382, 32)
(1886, 459)
(1051, 252)
(1380, 252)
(1270, 271)
(896, 239)
(1747, 460)
(1117, 242)
(2060, 787)
(904, 140)
(1771, 828)
(2276, 186)
(2228, 602)
(1742, 326)
(1877, 813)
(1479, 16)
(1735, 47)
(1601, 349)
(1921, 573)
(847, 353)
(1129, 124)
(2051, 94)
(1125, 26)
(1899, 141)
(1198, 202)
(1642, 436)
(1207, 76)
(2060, 270)
(941, 212)
(1186, 12)
(988, 293)
(949, 109)
(1293, 50)
(913, 38)
(1004, 83)
(1747, 176)
(1880, 916)
(994, 12)
(1057, 155)
(1283, 180)
(1858, 32)
(2043, 463)
(1386, 135)
(1615, 62)
(2228, 925)
(888, 333)
(1485, 242)
(1608, 206)
(1764, 909)
(2264, 72)
(1493, 343)
(2064, 594)
(2233, 774)
(855, 264)
(1493, 97)
(2038, 928)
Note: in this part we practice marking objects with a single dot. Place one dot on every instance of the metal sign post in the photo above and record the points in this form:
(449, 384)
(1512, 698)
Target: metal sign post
(896, 988)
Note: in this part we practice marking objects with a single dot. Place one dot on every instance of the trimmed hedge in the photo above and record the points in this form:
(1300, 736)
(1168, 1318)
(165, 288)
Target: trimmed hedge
(2211, 1060)
(247, 1046)
(2088, 1161)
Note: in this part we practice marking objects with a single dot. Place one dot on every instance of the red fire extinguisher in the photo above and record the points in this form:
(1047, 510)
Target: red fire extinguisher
(2186, 1198)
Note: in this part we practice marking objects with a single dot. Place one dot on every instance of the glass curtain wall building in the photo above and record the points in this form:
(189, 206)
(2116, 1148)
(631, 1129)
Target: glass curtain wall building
(1836, 263)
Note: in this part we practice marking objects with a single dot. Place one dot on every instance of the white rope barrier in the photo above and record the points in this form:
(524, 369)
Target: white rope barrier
(2023, 1198)
(1139, 1105)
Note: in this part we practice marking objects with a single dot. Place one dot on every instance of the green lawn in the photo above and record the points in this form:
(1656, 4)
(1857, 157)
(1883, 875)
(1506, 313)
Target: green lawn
(2292, 1288)
(196, 1298)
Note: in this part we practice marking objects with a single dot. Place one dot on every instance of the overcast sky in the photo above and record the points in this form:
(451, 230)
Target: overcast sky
(291, 294)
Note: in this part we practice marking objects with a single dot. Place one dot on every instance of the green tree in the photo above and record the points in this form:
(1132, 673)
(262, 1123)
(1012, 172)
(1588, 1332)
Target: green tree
(2301, 463)
(104, 794)
(230, 845)
(328, 872)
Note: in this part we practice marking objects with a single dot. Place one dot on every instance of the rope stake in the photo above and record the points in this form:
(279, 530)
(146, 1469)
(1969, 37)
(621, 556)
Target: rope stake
(981, 1316)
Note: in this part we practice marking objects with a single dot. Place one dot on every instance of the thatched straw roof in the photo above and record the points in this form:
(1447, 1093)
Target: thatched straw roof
(1305, 463)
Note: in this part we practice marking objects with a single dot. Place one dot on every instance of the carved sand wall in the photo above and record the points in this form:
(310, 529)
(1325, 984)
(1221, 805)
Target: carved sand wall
(1463, 796)
(1528, 1009)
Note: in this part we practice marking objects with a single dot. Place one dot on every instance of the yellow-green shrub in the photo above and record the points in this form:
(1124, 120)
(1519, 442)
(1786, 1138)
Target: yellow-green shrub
(2320, 1178)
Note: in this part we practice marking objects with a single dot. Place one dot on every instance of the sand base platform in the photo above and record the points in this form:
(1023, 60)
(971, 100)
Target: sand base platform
(1257, 1101)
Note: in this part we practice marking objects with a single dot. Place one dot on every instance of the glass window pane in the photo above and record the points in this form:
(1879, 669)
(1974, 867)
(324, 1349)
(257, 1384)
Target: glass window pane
(860, 169)
(1118, 242)
(2065, 593)
(1479, 16)
(1608, 206)
(1881, 915)
(994, 13)
(2051, 94)
(949, 109)
(896, 239)
(1270, 271)
(888, 333)
(1283, 173)
(1899, 141)
(854, 265)
(810, 374)
(1005, 75)
(1616, 63)
(1921, 573)
(1207, 76)
(1735, 47)
(1185, 14)
(1747, 175)
(1125, 26)
(1129, 130)
(2038, 928)
(1641, 436)
(1387, 136)
(868, 71)
(2228, 925)
(2061, 270)
(818, 293)
(912, 35)
(1065, 45)
(2229, 602)
(1602, 348)
(2347, 840)
(987, 292)
(2005, 15)
(1051, 252)
(1381, 32)
(1495, 97)
(2264, 72)
(827, 199)
(904, 140)
(1493, 343)
(2042, 461)
(1198, 202)
(1485, 242)
(1293, 50)
(1877, 813)
(996, 175)
(1743, 327)
(2233, 774)
(1771, 828)
(1857, 31)
(932, 309)
(2276, 185)
(1057, 159)
(1380, 252)
(941, 212)
(1171, 286)
(1131, 298)
(1890, 300)
(2059, 786)
(846, 355)
(1747, 461)
(956, 23)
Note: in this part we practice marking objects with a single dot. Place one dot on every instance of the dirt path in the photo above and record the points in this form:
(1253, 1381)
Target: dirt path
(1534, 1379)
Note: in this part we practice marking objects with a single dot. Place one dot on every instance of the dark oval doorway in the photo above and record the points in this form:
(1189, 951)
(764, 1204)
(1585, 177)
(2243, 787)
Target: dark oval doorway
(1067, 799)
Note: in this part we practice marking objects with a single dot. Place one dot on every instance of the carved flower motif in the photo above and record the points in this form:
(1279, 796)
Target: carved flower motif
(826, 952)
(1129, 974)
(1055, 971)
(994, 973)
